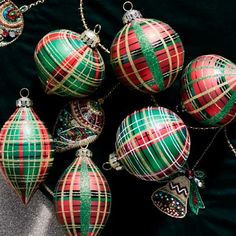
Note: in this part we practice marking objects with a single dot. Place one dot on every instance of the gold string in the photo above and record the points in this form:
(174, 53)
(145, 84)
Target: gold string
(81, 8)
(25, 8)
(48, 189)
(229, 143)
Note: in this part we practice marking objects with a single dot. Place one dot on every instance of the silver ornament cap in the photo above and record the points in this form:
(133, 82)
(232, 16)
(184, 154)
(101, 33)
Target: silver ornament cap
(130, 14)
(24, 101)
(90, 37)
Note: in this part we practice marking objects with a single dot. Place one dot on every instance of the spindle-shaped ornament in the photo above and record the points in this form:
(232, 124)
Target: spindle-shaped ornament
(146, 54)
(25, 149)
(68, 63)
(82, 197)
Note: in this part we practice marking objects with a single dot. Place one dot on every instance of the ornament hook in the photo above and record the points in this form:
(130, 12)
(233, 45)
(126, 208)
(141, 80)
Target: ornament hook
(22, 91)
(127, 6)
(97, 28)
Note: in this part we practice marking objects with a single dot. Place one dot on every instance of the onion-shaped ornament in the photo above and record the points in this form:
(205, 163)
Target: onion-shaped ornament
(152, 144)
(78, 124)
(82, 197)
(146, 54)
(25, 150)
(209, 90)
(68, 63)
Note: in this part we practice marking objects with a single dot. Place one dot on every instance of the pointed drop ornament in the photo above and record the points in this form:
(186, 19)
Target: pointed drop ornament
(172, 199)
(68, 63)
(25, 149)
(82, 197)
(146, 54)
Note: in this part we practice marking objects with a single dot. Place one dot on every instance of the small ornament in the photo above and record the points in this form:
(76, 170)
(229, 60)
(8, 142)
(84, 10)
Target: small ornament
(69, 64)
(209, 90)
(152, 144)
(146, 54)
(82, 197)
(25, 149)
(172, 199)
(78, 124)
(12, 21)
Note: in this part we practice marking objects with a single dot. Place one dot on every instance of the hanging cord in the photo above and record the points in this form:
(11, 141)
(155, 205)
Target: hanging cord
(81, 8)
(25, 8)
(228, 142)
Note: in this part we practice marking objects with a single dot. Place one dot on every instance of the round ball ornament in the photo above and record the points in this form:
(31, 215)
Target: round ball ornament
(82, 197)
(152, 144)
(78, 124)
(69, 64)
(208, 90)
(25, 150)
(146, 54)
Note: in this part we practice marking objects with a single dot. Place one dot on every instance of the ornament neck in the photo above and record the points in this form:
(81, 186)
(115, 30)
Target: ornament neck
(24, 101)
(90, 37)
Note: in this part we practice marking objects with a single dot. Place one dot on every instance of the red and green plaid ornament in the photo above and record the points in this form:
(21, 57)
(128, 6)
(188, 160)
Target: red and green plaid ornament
(82, 197)
(25, 150)
(146, 54)
(209, 90)
(152, 144)
(69, 64)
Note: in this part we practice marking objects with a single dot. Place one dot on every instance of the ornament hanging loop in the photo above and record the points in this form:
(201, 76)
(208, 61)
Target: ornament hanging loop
(24, 93)
(128, 6)
(106, 166)
(97, 28)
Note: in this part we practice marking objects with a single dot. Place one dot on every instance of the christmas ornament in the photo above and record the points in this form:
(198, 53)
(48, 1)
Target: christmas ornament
(25, 149)
(146, 54)
(69, 64)
(78, 124)
(152, 144)
(82, 197)
(12, 21)
(209, 90)
(172, 199)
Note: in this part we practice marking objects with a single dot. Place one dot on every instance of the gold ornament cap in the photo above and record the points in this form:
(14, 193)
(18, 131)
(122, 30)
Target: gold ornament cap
(130, 14)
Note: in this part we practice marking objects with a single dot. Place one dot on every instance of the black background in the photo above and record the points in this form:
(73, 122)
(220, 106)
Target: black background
(205, 27)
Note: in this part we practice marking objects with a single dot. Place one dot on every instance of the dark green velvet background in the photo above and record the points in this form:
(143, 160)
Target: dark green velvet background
(205, 26)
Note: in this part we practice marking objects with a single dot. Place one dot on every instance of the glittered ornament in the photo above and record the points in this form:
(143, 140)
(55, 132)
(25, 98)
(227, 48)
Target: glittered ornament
(11, 22)
(152, 144)
(25, 150)
(69, 64)
(78, 124)
(82, 197)
(146, 54)
(172, 199)
(209, 90)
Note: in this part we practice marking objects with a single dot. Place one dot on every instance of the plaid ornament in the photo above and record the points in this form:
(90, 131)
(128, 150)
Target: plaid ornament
(67, 65)
(152, 143)
(25, 150)
(209, 90)
(146, 54)
(82, 197)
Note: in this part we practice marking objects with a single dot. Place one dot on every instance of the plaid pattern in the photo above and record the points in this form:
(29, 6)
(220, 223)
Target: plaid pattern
(78, 124)
(66, 66)
(147, 55)
(82, 198)
(152, 143)
(25, 152)
(209, 90)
